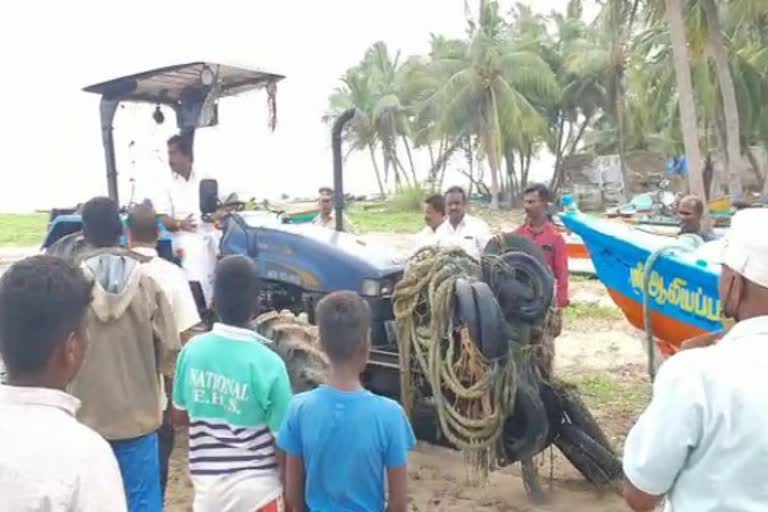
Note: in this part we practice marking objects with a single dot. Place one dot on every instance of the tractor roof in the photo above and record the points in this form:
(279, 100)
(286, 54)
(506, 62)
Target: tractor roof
(165, 85)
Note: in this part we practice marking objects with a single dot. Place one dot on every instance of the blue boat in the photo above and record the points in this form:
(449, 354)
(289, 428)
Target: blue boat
(682, 286)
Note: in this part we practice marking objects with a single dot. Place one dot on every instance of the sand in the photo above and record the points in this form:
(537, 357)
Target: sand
(438, 479)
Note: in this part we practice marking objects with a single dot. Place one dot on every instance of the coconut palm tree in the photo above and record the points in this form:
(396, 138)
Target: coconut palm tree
(356, 92)
(730, 106)
(688, 118)
(491, 90)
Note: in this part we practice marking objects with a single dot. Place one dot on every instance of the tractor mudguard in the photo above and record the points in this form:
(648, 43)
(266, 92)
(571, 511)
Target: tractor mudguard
(493, 343)
(466, 309)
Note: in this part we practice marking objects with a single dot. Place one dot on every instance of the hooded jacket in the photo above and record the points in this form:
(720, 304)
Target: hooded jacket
(132, 338)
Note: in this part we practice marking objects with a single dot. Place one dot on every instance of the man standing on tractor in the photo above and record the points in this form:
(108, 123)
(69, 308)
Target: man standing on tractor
(179, 208)
(327, 216)
(133, 337)
(702, 442)
(461, 229)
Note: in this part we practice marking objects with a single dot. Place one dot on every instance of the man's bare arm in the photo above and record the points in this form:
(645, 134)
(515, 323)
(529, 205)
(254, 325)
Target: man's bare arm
(397, 480)
(174, 225)
(294, 483)
(638, 500)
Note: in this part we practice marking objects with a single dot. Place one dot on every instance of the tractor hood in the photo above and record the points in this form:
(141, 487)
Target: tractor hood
(309, 256)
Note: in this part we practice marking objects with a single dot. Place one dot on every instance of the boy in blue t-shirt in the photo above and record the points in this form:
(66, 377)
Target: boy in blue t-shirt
(339, 439)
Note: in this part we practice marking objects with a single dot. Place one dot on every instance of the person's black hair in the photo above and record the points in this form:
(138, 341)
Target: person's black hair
(343, 321)
(184, 143)
(325, 190)
(540, 189)
(456, 190)
(696, 202)
(102, 226)
(437, 202)
(42, 300)
(142, 224)
(235, 290)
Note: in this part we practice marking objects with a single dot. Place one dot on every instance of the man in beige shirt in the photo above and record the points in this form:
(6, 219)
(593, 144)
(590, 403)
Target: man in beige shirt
(48, 460)
(143, 234)
(327, 216)
(133, 337)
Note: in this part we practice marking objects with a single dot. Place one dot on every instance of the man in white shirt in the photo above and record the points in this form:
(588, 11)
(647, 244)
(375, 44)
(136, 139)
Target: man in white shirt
(703, 441)
(179, 209)
(460, 229)
(327, 216)
(48, 460)
(142, 237)
(434, 215)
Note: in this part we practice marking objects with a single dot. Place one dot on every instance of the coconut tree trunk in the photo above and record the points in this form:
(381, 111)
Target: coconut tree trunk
(620, 132)
(410, 160)
(688, 119)
(493, 162)
(734, 161)
(376, 170)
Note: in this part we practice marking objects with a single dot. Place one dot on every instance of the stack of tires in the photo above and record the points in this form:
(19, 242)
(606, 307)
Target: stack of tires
(546, 411)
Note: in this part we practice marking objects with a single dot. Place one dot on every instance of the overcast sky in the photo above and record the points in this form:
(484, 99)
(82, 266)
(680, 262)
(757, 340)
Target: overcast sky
(51, 154)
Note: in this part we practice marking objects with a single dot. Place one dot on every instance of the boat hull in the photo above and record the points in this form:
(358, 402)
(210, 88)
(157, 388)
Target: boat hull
(683, 290)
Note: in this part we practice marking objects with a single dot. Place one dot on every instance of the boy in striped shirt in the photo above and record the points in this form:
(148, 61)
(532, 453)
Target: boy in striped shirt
(234, 392)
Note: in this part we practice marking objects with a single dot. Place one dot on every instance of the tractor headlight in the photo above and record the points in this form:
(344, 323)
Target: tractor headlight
(370, 288)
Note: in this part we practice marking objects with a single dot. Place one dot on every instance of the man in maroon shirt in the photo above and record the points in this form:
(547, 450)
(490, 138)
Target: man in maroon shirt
(540, 230)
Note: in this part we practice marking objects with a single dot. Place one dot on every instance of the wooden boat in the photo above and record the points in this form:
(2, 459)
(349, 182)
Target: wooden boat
(579, 259)
(682, 288)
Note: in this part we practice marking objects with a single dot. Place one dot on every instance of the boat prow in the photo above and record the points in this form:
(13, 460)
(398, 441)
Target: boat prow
(682, 287)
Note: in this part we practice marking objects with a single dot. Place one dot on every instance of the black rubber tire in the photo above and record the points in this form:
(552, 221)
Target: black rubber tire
(576, 413)
(493, 344)
(598, 465)
(527, 430)
(509, 242)
(466, 308)
(524, 289)
(532, 482)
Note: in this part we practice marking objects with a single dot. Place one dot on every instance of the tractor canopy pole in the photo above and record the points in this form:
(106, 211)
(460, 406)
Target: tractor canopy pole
(107, 110)
(338, 182)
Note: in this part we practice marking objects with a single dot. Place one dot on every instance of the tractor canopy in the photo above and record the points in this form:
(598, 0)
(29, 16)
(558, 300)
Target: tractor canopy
(192, 90)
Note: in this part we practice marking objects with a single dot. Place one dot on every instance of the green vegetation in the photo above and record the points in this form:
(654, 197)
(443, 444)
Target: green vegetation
(409, 199)
(520, 83)
(588, 311)
(384, 218)
(607, 391)
(22, 230)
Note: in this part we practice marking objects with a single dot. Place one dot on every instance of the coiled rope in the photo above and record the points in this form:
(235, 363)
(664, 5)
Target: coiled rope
(472, 395)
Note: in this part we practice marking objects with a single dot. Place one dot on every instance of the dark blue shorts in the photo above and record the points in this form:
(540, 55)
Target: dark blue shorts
(140, 467)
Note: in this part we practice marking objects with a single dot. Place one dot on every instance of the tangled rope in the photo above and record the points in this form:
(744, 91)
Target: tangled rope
(472, 395)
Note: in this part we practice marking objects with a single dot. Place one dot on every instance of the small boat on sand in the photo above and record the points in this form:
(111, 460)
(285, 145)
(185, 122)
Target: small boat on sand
(681, 289)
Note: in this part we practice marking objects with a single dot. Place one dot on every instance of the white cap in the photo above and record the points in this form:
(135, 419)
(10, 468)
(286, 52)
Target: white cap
(745, 248)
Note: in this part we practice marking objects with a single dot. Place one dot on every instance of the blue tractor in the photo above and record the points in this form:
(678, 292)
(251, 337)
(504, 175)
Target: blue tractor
(298, 263)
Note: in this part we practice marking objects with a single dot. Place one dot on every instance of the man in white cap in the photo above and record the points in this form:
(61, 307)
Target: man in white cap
(703, 441)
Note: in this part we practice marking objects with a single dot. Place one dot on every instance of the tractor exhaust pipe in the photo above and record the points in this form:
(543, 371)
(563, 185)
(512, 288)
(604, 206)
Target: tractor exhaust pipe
(338, 182)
